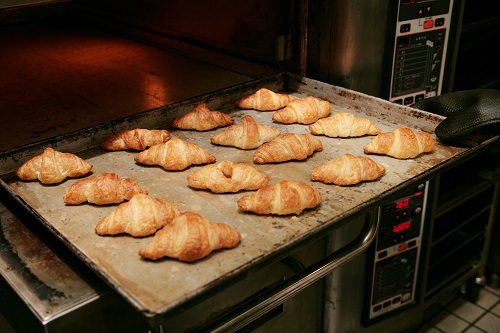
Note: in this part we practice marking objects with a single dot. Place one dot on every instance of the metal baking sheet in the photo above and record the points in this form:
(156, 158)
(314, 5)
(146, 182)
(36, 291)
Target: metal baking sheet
(155, 288)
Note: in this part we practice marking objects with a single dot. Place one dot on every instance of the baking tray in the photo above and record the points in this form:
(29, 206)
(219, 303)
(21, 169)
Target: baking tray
(155, 288)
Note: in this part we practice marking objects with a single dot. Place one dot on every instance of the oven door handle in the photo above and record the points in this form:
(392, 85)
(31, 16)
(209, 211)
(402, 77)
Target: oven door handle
(279, 294)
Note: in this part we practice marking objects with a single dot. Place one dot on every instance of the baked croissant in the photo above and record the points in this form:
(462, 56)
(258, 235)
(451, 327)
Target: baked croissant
(174, 154)
(247, 135)
(106, 189)
(303, 110)
(227, 177)
(136, 139)
(286, 147)
(201, 118)
(264, 100)
(52, 167)
(286, 197)
(141, 216)
(402, 143)
(344, 125)
(190, 237)
(348, 170)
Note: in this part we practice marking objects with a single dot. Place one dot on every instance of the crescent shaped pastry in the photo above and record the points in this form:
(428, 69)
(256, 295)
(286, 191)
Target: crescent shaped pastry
(247, 135)
(52, 167)
(190, 237)
(135, 139)
(348, 170)
(201, 118)
(403, 143)
(283, 198)
(174, 154)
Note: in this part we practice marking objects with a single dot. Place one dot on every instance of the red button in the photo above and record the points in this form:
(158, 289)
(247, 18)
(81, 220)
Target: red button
(402, 247)
(428, 24)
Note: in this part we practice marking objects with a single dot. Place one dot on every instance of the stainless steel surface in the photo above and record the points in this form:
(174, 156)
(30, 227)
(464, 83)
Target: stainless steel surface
(24, 258)
(299, 282)
(58, 292)
(346, 43)
(157, 287)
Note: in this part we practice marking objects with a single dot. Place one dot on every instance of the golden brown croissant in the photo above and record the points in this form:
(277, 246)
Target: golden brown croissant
(286, 197)
(190, 237)
(136, 139)
(303, 110)
(53, 167)
(348, 170)
(286, 147)
(141, 216)
(201, 118)
(106, 189)
(247, 135)
(264, 100)
(344, 125)
(402, 143)
(174, 154)
(227, 177)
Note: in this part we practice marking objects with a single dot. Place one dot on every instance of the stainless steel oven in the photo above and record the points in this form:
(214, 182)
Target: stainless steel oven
(89, 68)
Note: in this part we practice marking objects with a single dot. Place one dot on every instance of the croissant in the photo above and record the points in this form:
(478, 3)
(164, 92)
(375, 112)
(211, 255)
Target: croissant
(287, 146)
(141, 216)
(247, 135)
(174, 154)
(201, 118)
(228, 177)
(344, 125)
(264, 100)
(190, 237)
(52, 167)
(286, 197)
(402, 143)
(136, 139)
(106, 189)
(303, 110)
(348, 170)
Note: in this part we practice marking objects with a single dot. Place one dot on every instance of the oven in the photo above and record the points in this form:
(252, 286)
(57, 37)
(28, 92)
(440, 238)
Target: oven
(87, 69)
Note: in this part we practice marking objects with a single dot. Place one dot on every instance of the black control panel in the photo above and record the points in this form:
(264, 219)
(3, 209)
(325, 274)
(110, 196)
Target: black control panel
(420, 49)
(393, 263)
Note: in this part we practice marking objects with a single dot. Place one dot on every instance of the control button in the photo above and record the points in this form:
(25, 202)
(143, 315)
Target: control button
(386, 209)
(419, 97)
(398, 101)
(412, 243)
(417, 210)
(428, 24)
(377, 308)
(439, 22)
(408, 100)
(396, 300)
(405, 27)
(402, 247)
(428, 9)
(387, 304)
(382, 254)
(406, 297)
(420, 11)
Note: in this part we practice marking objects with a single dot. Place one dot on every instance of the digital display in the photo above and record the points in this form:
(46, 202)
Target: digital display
(402, 203)
(401, 227)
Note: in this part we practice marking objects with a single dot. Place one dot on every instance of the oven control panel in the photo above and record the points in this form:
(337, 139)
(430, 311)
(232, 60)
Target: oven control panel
(422, 30)
(393, 262)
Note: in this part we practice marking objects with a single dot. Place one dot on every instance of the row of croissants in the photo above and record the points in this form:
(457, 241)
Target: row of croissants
(188, 236)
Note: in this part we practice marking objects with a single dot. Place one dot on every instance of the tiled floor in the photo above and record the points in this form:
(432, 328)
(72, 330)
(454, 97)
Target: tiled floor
(455, 314)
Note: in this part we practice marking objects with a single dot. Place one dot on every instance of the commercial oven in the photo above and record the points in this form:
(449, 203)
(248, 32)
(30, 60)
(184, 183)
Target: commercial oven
(92, 68)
